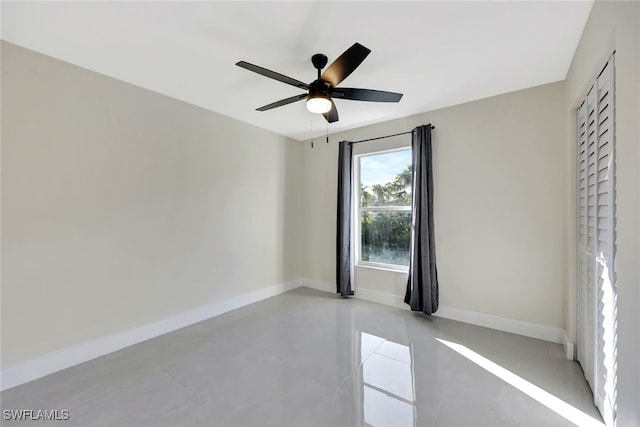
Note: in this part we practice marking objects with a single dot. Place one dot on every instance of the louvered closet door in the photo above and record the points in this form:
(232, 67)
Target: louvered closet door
(596, 241)
(586, 309)
(606, 296)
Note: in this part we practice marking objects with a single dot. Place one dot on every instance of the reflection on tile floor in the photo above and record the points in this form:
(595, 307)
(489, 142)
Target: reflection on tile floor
(307, 358)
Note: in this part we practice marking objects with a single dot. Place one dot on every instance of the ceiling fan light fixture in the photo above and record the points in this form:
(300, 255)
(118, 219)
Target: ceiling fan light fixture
(318, 104)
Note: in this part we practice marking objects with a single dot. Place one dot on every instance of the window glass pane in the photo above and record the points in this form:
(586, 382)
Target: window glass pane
(386, 237)
(385, 179)
(385, 182)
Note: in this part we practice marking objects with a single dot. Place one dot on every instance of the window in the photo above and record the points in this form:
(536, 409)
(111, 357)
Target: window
(383, 210)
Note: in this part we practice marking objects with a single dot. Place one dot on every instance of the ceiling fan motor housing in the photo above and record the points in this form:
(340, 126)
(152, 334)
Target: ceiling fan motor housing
(319, 88)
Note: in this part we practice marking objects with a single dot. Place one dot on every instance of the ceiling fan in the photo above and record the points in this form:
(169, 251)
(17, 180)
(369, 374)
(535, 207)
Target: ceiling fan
(324, 88)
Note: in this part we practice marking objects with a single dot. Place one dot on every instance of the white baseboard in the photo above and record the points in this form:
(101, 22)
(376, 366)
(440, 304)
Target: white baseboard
(569, 348)
(49, 363)
(519, 327)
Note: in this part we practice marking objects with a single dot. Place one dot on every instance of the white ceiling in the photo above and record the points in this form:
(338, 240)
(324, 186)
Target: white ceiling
(437, 53)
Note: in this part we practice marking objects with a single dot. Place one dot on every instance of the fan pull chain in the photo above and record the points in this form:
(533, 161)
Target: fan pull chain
(327, 132)
(311, 131)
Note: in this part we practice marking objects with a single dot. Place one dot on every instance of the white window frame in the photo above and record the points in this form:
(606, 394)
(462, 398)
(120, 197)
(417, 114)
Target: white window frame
(357, 209)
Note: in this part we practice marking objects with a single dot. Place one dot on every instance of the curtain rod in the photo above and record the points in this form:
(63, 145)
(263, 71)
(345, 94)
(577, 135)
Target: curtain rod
(386, 136)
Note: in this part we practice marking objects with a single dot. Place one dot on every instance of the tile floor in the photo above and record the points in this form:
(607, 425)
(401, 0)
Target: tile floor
(308, 358)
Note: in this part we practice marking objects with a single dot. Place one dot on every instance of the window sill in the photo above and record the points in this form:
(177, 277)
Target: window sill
(384, 268)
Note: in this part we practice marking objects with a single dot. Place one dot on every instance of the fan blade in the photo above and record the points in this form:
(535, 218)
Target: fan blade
(273, 75)
(365, 94)
(332, 115)
(283, 102)
(345, 64)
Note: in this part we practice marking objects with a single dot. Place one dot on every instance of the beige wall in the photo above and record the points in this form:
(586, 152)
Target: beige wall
(121, 206)
(499, 188)
(613, 25)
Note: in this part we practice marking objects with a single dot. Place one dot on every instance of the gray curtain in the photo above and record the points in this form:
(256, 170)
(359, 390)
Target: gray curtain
(343, 241)
(422, 286)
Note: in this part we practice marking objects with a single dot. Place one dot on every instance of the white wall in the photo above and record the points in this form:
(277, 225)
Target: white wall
(499, 188)
(612, 25)
(122, 207)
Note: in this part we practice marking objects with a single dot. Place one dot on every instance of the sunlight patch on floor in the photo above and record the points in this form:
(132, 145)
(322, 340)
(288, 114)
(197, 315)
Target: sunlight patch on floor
(557, 405)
